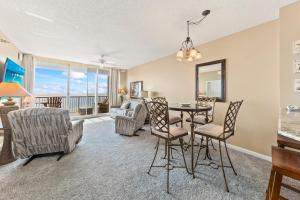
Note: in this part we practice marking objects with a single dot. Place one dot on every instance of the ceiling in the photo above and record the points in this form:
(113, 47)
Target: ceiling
(128, 32)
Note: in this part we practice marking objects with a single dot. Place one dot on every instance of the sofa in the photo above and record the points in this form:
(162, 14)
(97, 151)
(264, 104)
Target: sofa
(129, 117)
(38, 131)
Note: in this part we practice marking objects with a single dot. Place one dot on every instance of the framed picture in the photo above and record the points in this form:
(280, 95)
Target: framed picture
(297, 66)
(297, 85)
(135, 89)
(296, 47)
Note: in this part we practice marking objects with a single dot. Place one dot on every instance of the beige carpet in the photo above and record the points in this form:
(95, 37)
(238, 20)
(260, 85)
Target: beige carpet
(109, 166)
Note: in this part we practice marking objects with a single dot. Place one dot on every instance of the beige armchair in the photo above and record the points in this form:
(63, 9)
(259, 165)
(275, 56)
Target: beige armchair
(42, 131)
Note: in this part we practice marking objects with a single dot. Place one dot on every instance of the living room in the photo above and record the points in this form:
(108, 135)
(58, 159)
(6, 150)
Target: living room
(150, 99)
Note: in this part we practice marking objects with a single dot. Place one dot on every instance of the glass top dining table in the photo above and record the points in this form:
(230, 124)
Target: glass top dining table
(192, 110)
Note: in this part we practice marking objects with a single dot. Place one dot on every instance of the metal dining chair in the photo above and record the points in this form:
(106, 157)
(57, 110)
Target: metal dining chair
(221, 133)
(160, 127)
(173, 119)
(200, 119)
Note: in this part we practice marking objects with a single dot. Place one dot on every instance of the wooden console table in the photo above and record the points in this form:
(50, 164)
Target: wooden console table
(6, 155)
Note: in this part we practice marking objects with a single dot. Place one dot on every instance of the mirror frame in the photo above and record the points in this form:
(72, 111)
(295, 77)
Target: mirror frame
(223, 78)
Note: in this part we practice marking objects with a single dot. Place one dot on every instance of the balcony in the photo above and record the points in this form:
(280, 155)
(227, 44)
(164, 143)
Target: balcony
(76, 104)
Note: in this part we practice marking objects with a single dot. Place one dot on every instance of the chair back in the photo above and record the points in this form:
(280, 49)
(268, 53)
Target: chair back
(204, 101)
(53, 102)
(160, 100)
(159, 117)
(39, 130)
(231, 115)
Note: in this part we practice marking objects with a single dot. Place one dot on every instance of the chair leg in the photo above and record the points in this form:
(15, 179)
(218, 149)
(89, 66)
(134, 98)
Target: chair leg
(157, 143)
(229, 158)
(166, 149)
(29, 160)
(60, 156)
(154, 157)
(270, 185)
(212, 144)
(181, 145)
(198, 153)
(222, 166)
(275, 194)
(168, 167)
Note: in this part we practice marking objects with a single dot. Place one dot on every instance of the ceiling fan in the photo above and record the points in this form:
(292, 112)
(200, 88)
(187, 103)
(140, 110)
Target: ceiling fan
(103, 61)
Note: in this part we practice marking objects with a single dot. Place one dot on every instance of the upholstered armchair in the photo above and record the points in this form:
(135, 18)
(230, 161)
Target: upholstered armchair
(39, 131)
(133, 121)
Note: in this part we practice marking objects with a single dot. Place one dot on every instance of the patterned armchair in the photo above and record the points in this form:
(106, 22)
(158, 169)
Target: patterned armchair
(128, 125)
(38, 131)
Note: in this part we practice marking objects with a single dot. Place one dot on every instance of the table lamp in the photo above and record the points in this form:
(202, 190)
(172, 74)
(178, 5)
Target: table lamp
(144, 94)
(10, 90)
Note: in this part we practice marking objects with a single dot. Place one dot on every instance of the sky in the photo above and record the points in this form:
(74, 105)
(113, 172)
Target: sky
(53, 82)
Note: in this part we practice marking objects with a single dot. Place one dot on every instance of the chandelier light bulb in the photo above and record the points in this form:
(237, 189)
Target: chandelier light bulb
(180, 54)
(190, 59)
(198, 55)
(193, 52)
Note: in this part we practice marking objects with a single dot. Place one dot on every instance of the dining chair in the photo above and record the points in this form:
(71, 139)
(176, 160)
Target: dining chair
(200, 118)
(160, 127)
(173, 119)
(221, 134)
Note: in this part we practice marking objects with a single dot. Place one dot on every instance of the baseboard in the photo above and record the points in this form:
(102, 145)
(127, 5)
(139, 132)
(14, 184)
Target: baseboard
(246, 151)
(249, 152)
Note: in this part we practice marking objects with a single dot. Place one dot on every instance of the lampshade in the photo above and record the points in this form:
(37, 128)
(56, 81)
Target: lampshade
(144, 94)
(12, 90)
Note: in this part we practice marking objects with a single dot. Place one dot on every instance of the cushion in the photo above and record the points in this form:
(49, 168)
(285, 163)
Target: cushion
(211, 129)
(199, 119)
(174, 132)
(174, 119)
(125, 104)
(133, 104)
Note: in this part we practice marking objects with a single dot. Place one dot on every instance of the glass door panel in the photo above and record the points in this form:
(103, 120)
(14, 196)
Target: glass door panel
(92, 78)
(50, 88)
(78, 91)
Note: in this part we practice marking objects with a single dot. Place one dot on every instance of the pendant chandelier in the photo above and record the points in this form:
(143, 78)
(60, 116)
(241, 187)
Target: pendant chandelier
(187, 51)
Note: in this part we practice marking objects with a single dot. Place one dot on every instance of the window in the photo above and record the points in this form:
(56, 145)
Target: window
(75, 84)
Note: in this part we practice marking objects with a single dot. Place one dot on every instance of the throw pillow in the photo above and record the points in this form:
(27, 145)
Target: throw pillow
(125, 105)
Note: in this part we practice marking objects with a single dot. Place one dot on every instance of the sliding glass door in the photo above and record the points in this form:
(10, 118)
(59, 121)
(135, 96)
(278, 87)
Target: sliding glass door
(51, 85)
(80, 88)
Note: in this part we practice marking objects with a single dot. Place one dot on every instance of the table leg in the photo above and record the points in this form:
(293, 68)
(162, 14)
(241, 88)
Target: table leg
(6, 155)
(181, 116)
(192, 144)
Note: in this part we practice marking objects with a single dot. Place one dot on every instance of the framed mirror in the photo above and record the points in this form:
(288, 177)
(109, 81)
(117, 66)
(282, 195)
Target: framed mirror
(210, 79)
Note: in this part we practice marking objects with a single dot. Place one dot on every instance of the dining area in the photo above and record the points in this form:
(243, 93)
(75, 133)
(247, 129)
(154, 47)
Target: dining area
(202, 135)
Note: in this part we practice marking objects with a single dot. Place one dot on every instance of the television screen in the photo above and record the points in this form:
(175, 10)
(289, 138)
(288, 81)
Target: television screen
(12, 72)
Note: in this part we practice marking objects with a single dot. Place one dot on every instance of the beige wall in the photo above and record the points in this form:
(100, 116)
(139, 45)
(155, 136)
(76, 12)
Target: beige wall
(289, 32)
(252, 74)
(8, 49)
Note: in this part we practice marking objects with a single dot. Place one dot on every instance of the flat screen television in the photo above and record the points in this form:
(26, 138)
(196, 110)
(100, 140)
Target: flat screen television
(11, 72)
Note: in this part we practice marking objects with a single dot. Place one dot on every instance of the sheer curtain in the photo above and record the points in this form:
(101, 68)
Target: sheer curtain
(114, 86)
(28, 64)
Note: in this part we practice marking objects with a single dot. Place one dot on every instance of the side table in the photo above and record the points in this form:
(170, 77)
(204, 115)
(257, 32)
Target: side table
(6, 155)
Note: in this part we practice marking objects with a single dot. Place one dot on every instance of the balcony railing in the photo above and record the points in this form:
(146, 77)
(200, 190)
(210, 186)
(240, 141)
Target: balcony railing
(75, 102)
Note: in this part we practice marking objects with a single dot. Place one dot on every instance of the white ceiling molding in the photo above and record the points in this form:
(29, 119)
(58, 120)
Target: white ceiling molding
(131, 32)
